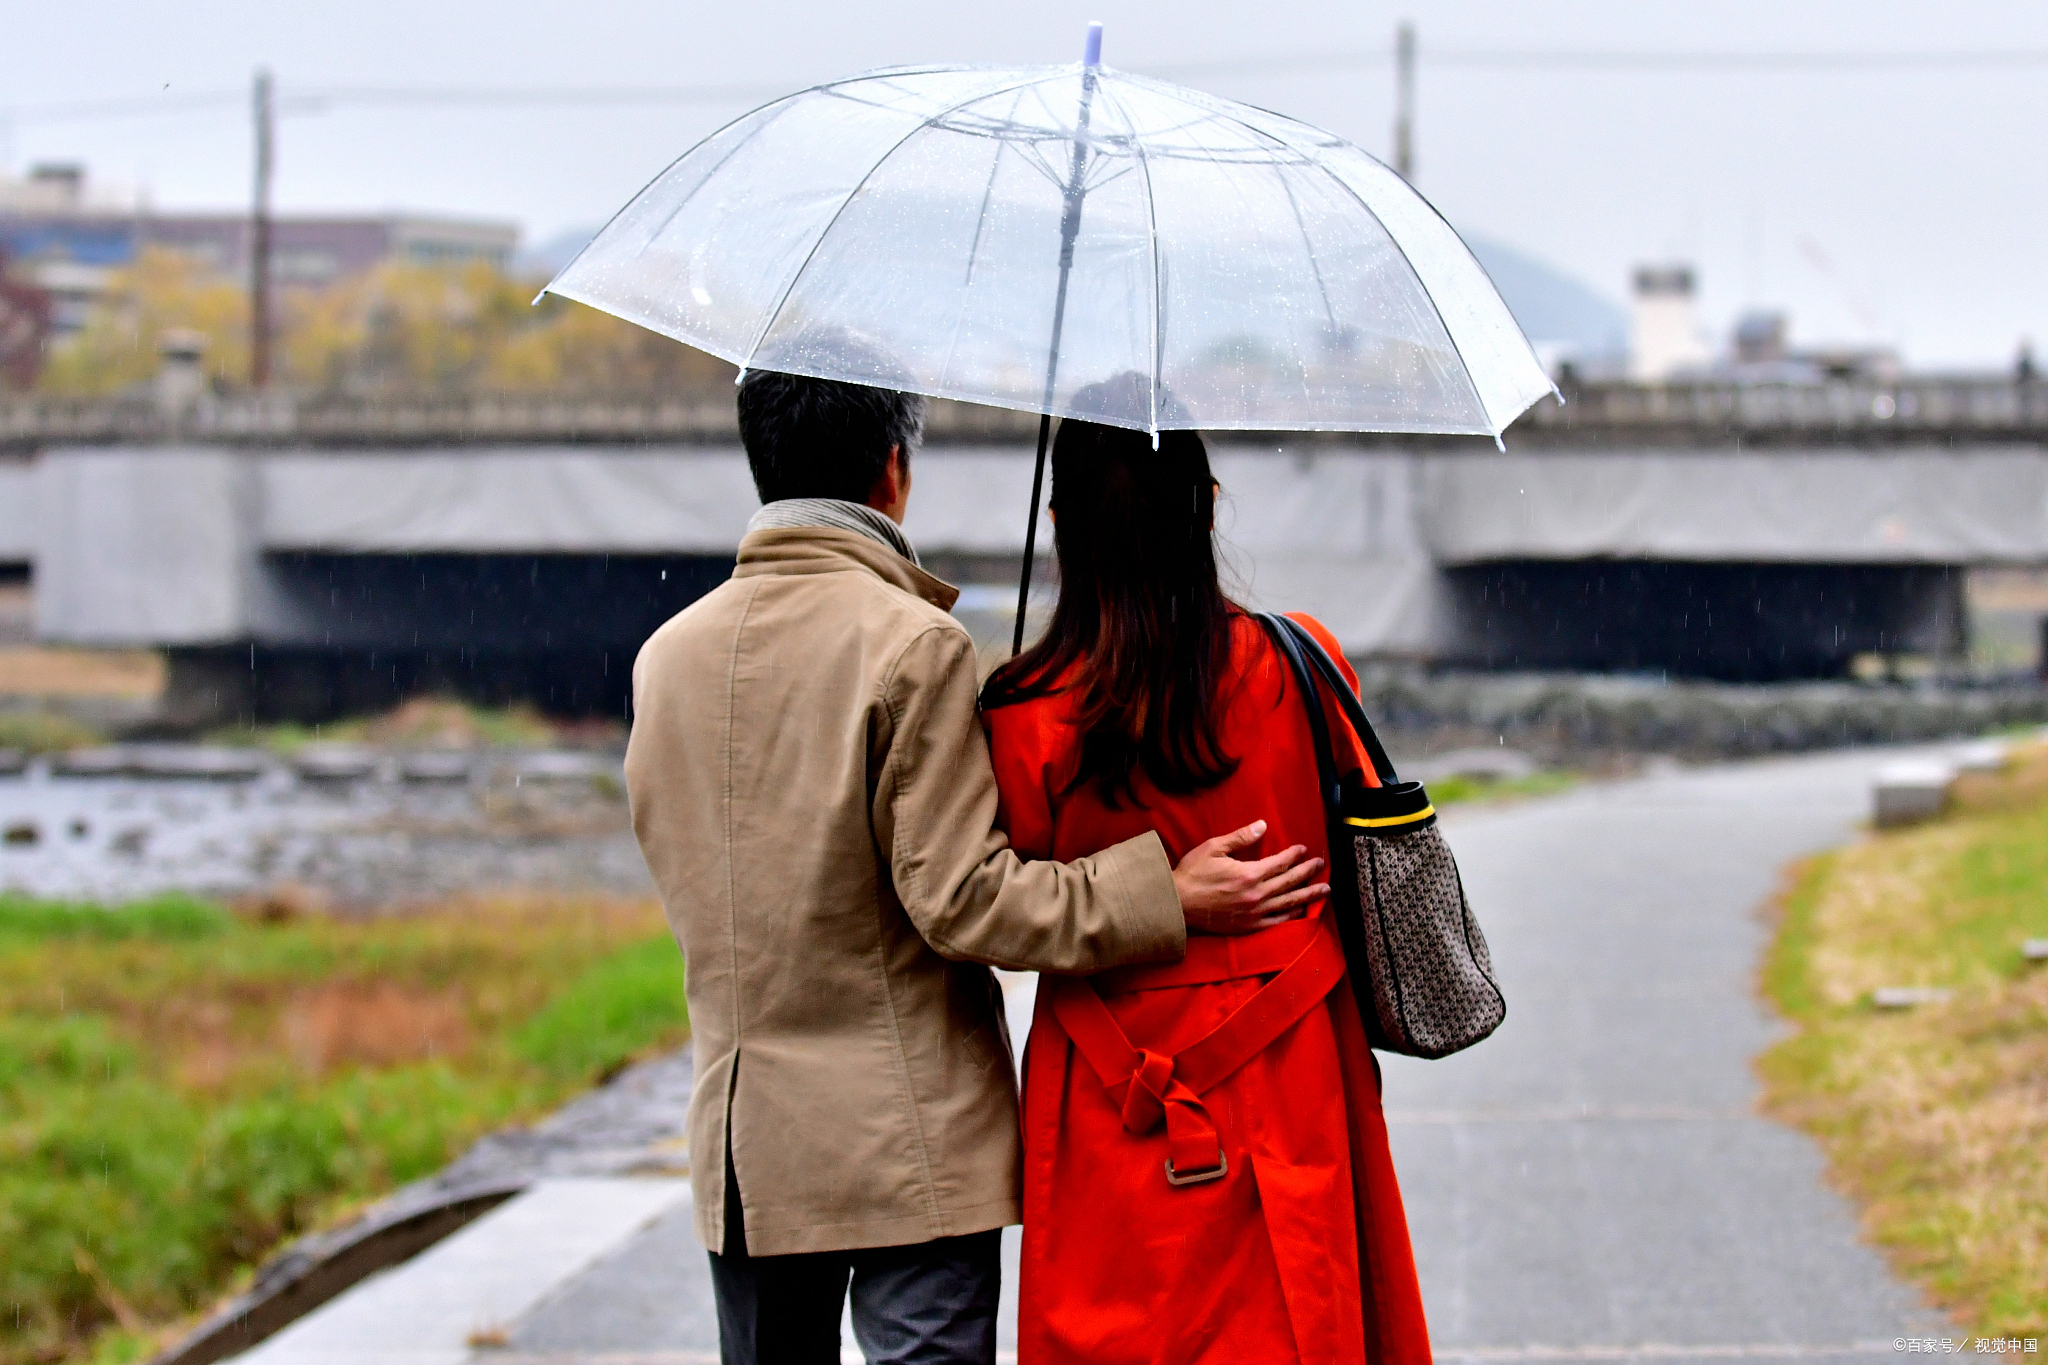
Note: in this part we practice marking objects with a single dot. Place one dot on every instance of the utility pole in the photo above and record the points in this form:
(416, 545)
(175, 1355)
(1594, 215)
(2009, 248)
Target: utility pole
(259, 237)
(1404, 101)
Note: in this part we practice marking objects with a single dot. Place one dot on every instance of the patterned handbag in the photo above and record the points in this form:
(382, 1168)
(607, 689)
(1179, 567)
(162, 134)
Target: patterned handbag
(1417, 960)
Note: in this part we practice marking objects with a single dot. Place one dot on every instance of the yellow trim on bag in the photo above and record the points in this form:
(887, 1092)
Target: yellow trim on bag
(1422, 814)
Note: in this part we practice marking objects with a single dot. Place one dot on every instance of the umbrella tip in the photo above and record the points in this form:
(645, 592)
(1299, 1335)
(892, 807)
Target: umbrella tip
(1091, 52)
(537, 298)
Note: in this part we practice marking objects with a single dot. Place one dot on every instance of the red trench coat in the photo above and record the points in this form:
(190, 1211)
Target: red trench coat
(1289, 1242)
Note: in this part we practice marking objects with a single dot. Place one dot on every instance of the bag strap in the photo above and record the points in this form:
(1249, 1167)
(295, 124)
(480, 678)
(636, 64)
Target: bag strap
(1347, 700)
(1305, 682)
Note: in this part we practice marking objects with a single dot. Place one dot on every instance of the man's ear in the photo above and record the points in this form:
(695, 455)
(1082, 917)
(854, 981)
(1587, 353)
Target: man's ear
(892, 490)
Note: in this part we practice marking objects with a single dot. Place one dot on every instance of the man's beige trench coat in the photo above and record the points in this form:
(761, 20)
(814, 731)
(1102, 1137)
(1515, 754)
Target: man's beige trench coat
(811, 788)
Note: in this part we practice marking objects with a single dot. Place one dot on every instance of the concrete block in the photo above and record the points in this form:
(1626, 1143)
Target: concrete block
(106, 761)
(478, 1282)
(1909, 792)
(199, 762)
(1982, 756)
(336, 762)
(432, 765)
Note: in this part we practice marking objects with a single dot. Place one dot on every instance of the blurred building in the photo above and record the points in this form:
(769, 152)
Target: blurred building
(65, 240)
(1760, 351)
(1665, 338)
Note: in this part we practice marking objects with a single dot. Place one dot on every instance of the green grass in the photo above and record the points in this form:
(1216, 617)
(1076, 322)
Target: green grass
(1934, 1119)
(44, 732)
(169, 917)
(1459, 787)
(609, 1012)
(181, 1091)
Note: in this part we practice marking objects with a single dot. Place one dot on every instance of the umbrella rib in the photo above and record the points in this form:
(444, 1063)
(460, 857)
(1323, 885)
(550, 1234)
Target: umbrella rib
(854, 194)
(1360, 201)
(1463, 368)
(974, 251)
(1152, 231)
(1314, 265)
(995, 166)
(700, 142)
(1222, 109)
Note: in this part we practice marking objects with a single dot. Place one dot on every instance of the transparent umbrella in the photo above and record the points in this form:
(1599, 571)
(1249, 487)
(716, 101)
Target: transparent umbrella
(1074, 241)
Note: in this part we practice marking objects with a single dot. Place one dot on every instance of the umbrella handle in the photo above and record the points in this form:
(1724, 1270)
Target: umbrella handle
(1091, 51)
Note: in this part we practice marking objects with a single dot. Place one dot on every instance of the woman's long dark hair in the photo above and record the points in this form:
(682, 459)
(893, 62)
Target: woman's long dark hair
(1141, 621)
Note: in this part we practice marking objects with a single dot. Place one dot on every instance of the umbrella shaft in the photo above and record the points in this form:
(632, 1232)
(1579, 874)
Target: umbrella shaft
(1070, 229)
(1031, 534)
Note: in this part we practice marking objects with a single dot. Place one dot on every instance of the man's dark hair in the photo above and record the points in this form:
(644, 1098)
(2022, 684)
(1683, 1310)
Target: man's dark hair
(821, 438)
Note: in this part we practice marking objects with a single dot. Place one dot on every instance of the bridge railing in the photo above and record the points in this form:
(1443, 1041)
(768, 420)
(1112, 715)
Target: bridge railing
(1914, 407)
(1847, 411)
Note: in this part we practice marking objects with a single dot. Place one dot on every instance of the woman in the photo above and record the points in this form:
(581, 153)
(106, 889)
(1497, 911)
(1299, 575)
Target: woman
(1200, 1185)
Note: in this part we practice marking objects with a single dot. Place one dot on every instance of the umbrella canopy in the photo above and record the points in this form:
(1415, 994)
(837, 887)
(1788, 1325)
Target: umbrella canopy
(1070, 240)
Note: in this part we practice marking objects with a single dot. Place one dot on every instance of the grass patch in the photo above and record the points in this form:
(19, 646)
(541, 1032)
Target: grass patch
(609, 1012)
(422, 723)
(181, 1090)
(1462, 787)
(45, 732)
(1936, 1119)
(170, 917)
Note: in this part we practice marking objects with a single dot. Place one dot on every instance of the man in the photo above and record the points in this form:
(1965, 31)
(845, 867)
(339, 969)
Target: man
(811, 788)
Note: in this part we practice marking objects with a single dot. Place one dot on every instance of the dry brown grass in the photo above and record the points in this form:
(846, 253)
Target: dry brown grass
(372, 1023)
(119, 674)
(1934, 1119)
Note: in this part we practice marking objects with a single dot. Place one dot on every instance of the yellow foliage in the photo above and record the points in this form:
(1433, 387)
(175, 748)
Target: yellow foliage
(399, 328)
(580, 349)
(161, 291)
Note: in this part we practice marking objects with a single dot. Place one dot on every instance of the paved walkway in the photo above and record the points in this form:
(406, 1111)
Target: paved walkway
(1591, 1183)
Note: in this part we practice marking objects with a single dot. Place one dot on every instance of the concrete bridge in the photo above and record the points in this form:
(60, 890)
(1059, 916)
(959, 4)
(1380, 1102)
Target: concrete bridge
(307, 559)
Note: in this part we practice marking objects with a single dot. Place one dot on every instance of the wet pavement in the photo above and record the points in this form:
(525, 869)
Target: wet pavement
(343, 826)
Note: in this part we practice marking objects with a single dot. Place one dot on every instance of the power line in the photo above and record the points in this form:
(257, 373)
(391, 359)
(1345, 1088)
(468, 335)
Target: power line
(415, 97)
(1598, 60)
(74, 111)
(317, 99)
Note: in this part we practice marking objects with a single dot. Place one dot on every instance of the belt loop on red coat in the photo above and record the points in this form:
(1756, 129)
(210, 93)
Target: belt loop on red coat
(1149, 1087)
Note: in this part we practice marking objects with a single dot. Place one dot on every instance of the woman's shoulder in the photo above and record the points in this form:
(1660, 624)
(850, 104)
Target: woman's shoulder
(1322, 632)
(1249, 632)
(1253, 643)
(1013, 711)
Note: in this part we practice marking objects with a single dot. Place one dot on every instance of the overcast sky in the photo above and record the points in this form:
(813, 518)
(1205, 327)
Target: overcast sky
(1901, 206)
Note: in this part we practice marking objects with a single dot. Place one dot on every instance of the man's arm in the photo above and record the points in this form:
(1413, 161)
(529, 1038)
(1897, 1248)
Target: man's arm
(971, 897)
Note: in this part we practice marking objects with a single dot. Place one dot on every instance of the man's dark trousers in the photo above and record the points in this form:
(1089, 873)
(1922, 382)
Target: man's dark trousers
(933, 1303)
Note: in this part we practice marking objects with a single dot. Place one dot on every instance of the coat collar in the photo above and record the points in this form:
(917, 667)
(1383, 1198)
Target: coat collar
(821, 549)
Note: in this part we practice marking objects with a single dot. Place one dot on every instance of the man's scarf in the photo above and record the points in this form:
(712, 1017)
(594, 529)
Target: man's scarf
(839, 516)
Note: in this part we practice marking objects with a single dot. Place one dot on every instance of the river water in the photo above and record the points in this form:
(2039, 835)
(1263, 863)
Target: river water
(396, 829)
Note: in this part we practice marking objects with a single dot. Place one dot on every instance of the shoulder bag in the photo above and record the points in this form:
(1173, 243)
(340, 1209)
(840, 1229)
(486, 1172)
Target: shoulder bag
(1417, 961)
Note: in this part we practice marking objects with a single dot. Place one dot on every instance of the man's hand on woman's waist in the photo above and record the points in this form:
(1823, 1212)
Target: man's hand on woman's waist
(1221, 894)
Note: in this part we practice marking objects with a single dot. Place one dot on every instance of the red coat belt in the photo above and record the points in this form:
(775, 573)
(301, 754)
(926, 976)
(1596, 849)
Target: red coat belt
(1149, 1087)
